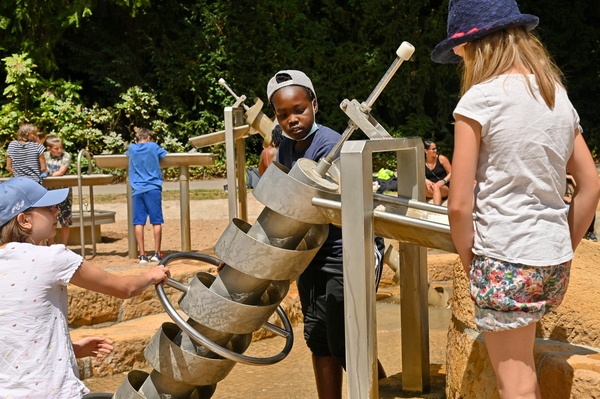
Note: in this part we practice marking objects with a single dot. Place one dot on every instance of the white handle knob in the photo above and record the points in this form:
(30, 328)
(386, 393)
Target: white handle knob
(405, 51)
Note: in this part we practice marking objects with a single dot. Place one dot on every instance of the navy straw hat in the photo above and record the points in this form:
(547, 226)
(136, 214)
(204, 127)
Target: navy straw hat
(20, 193)
(472, 19)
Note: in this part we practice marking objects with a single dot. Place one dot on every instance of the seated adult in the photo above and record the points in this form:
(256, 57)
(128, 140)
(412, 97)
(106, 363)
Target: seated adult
(269, 154)
(437, 173)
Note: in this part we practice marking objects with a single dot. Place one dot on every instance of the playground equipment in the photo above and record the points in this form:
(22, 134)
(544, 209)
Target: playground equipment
(257, 262)
(241, 121)
(190, 357)
(181, 160)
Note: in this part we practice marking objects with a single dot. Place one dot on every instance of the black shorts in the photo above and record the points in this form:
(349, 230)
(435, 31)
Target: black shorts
(321, 290)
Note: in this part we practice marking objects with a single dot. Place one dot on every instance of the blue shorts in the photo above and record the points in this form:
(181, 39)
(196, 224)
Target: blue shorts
(510, 295)
(148, 204)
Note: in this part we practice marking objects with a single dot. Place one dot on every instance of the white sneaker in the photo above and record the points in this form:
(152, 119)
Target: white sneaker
(156, 257)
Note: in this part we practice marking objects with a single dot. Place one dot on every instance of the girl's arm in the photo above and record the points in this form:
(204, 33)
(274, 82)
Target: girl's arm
(43, 166)
(9, 165)
(587, 190)
(121, 286)
(467, 135)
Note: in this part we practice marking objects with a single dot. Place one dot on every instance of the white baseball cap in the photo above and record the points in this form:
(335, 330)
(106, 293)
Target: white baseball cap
(289, 77)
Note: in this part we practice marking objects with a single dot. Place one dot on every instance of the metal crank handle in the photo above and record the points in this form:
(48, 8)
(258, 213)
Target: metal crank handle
(403, 53)
(241, 99)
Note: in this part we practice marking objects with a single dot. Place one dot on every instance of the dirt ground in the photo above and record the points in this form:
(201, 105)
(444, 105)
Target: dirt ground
(209, 219)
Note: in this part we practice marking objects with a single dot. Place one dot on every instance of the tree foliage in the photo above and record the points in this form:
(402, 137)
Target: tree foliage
(93, 69)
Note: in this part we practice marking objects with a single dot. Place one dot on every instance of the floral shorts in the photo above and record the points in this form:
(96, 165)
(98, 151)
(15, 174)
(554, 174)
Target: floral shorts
(511, 295)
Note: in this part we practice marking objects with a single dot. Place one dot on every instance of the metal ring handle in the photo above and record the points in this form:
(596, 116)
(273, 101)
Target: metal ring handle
(286, 331)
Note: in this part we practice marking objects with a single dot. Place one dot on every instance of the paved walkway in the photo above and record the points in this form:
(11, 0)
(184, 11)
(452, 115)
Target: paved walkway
(121, 188)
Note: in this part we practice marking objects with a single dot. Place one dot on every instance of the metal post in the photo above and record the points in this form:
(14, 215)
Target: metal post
(131, 240)
(359, 291)
(413, 280)
(184, 204)
(231, 175)
(80, 193)
(359, 279)
(240, 155)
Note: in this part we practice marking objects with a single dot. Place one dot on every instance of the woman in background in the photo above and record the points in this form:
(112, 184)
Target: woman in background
(437, 173)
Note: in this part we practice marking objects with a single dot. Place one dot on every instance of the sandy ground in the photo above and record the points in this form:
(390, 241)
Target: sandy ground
(293, 375)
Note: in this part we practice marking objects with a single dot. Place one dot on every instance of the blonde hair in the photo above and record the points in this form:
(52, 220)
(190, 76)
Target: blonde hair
(52, 140)
(28, 132)
(501, 51)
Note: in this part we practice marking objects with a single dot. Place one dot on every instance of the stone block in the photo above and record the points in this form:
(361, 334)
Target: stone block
(566, 352)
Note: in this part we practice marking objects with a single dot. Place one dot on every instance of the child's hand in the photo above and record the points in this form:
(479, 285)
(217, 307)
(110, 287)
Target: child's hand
(92, 346)
(158, 274)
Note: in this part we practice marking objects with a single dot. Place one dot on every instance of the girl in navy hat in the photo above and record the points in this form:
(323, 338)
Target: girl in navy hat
(516, 133)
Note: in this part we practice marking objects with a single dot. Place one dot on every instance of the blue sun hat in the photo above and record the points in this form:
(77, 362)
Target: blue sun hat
(20, 193)
(472, 19)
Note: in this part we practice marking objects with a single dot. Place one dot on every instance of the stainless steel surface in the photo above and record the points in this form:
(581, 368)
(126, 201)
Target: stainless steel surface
(416, 225)
(240, 299)
(235, 244)
(80, 192)
(410, 225)
(181, 160)
(403, 53)
(291, 193)
(166, 356)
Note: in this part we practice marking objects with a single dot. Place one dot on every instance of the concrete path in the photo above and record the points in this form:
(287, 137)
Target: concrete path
(121, 188)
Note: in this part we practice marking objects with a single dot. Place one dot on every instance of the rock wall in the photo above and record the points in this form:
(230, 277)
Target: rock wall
(567, 348)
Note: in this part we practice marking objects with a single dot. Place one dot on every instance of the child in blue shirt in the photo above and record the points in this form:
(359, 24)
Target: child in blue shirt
(146, 180)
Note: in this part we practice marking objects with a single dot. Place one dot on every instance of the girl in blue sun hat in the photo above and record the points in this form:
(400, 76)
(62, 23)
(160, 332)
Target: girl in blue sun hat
(516, 134)
(38, 356)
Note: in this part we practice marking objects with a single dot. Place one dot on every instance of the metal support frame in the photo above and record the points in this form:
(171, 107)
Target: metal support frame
(236, 165)
(359, 284)
(81, 211)
(183, 161)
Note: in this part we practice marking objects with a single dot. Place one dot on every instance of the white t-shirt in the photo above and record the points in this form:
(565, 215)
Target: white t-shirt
(521, 172)
(36, 352)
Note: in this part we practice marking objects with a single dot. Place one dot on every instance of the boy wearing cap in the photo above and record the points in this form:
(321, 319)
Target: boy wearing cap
(38, 356)
(516, 134)
(320, 286)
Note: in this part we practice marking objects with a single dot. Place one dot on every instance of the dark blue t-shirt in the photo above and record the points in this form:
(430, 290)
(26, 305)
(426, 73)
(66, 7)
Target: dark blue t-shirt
(323, 141)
